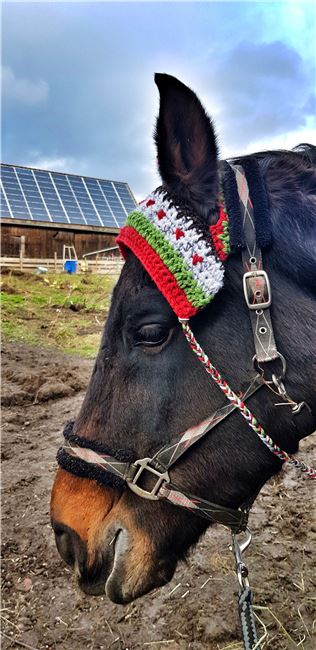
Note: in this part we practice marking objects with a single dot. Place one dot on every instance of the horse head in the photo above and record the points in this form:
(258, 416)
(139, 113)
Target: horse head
(147, 386)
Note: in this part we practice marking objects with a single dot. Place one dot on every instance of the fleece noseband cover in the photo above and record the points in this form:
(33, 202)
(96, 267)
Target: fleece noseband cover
(82, 469)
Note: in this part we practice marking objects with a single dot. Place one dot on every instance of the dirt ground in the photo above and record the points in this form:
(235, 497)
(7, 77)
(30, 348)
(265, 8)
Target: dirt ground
(41, 607)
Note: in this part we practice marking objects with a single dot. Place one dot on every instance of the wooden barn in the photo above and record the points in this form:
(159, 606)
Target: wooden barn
(43, 211)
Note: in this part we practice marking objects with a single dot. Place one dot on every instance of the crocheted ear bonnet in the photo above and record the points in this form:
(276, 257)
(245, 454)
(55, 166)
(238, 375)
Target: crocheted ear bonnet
(177, 250)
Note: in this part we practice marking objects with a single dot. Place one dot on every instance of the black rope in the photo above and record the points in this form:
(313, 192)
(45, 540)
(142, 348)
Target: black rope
(247, 620)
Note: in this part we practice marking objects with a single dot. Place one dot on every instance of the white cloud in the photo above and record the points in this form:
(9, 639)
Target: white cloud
(55, 164)
(66, 164)
(22, 90)
(287, 140)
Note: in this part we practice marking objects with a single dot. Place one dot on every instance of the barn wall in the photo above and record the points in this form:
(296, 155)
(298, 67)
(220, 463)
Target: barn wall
(44, 242)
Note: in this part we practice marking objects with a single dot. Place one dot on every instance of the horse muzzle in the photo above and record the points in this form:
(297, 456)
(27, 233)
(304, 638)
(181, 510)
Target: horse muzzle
(112, 572)
(96, 534)
(92, 578)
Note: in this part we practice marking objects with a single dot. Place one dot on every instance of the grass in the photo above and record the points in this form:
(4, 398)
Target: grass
(56, 310)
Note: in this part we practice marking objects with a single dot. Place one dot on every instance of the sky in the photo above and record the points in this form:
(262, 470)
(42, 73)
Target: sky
(78, 93)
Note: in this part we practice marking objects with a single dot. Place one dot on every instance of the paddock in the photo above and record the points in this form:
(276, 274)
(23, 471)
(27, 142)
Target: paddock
(41, 606)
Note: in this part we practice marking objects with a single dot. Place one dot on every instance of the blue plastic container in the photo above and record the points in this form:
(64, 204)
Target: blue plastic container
(70, 266)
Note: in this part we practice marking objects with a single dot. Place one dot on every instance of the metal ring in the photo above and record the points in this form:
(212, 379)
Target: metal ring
(253, 260)
(259, 369)
(259, 312)
(262, 330)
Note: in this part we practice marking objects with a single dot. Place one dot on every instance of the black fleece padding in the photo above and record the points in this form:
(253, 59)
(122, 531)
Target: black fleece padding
(260, 202)
(81, 468)
(125, 455)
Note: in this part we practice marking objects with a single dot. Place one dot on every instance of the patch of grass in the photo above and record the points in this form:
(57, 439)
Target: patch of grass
(37, 310)
(89, 346)
(11, 300)
(39, 300)
(17, 331)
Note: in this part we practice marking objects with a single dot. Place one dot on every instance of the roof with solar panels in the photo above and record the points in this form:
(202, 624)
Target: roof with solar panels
(45, 198)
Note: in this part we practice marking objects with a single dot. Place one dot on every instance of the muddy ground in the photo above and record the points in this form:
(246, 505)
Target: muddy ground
(42, 608)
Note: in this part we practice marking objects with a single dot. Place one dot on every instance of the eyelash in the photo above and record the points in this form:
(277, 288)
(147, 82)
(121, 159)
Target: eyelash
(156, 335)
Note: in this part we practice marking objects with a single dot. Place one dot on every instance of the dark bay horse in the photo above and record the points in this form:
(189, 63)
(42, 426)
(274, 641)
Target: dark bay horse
(147, 385)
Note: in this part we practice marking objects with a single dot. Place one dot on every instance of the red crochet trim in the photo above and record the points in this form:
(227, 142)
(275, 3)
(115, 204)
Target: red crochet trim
(157, 270)
(217, 229)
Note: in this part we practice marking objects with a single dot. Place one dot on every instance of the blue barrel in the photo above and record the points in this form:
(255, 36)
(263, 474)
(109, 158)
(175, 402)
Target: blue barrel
(70, 266)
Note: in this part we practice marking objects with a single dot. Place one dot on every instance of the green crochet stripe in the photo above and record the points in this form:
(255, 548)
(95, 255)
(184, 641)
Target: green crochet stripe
(170, 257)
(225, 236)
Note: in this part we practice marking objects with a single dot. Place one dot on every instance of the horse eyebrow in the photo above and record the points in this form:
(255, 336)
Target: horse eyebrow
(152, 306)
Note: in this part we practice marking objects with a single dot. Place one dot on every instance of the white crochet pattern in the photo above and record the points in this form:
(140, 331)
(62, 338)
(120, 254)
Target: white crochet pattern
(208, 273)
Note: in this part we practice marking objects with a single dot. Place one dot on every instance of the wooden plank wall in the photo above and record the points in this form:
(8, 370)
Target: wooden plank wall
(45, 242)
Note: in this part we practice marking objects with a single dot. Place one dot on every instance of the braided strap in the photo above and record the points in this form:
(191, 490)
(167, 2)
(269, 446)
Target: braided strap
(249, 417)
(247, 620)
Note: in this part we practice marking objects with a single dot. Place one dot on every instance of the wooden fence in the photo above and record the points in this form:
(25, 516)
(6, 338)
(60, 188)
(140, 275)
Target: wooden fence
(101, 266)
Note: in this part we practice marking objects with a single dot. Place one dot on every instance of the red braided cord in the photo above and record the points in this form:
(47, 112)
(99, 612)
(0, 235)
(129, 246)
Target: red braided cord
(231, 395)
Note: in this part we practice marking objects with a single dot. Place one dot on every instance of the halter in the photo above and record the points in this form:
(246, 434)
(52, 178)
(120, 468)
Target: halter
(188, 287)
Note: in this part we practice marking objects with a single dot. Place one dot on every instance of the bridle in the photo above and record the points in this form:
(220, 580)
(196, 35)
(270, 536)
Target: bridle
(149, 477)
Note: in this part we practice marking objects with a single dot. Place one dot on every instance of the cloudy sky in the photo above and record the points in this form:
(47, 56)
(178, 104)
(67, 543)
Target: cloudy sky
(78, 92)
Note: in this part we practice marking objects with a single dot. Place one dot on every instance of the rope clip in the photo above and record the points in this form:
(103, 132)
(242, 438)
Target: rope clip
(238, 548)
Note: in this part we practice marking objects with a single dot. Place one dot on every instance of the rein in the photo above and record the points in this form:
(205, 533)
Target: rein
(149, 477)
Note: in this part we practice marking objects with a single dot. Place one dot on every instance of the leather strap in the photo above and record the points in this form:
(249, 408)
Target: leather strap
(170, 453)
(256, 283)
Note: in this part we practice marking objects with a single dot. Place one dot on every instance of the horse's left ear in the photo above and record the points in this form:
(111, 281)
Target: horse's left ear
(186, 146)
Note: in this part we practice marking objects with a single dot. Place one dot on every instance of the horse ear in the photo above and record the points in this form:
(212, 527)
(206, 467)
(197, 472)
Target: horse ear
(186, 146)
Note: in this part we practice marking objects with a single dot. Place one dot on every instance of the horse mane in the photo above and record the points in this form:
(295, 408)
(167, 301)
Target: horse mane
(290, 179)
(302, 155)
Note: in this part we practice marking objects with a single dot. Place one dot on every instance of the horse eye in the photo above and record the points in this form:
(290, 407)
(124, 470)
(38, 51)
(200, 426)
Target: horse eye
(151, 335)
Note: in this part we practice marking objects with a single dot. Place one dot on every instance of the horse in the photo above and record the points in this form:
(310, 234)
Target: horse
(147, 385)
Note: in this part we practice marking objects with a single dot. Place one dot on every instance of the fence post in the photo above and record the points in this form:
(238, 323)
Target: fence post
(22, 251)
(55, 261)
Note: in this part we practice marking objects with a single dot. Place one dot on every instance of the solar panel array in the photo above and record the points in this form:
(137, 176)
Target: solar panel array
(37, 195)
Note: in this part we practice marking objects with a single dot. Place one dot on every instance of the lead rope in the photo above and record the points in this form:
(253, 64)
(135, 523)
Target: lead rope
(246, 614)
(249, 417)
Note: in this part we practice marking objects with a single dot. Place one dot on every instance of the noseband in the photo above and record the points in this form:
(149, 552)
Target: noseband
(149, 477)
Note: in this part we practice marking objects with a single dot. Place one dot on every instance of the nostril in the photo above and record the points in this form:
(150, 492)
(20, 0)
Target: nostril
(65, 546)
(69, 545)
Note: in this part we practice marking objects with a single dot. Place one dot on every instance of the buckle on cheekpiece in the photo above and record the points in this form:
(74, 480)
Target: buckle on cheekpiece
(142, 465)
(257, 290)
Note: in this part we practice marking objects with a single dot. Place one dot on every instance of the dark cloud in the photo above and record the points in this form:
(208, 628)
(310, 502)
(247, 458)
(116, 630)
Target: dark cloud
(264, 89)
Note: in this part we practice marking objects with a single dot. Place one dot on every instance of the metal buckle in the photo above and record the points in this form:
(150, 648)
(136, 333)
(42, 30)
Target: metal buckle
(143, 464)
(259, 295)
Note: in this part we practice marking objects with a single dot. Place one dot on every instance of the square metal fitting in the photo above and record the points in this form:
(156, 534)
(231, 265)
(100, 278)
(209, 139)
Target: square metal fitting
(257, 290)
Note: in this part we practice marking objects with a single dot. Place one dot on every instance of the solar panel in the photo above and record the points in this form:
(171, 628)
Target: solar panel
(38, 195)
